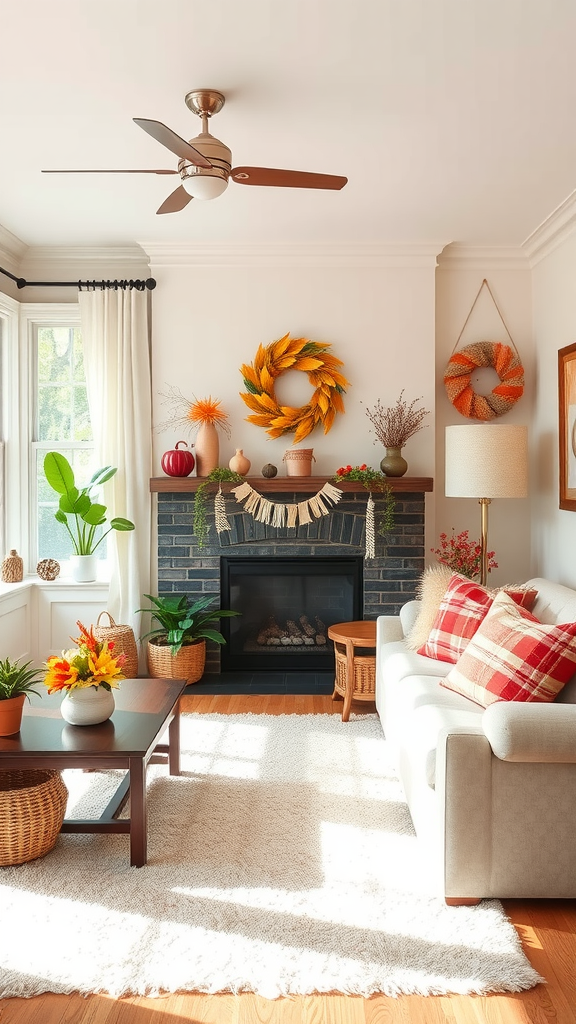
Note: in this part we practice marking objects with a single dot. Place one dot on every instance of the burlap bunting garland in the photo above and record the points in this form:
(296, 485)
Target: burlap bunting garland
(280, 514)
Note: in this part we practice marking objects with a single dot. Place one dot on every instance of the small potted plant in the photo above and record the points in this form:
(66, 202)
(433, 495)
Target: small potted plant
(81, 516)
(17, 681)
(177, 645)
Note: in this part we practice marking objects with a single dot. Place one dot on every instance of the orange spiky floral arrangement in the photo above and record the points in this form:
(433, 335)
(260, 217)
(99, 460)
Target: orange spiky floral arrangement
(192, 414)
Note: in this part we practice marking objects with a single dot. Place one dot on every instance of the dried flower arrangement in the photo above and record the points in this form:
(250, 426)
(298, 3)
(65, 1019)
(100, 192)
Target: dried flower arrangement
(394, 425)
(462, 555)
(193, 414)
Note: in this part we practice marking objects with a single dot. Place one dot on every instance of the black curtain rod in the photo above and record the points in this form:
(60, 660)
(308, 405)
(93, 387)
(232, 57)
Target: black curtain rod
(140, 286)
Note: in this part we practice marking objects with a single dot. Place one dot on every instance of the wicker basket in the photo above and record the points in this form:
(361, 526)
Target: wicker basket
(188, 664)
(124, 643)
(364, 673)
(32, 806)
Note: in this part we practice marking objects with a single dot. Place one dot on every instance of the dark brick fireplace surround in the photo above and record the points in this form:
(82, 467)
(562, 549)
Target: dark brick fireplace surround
(389, 579)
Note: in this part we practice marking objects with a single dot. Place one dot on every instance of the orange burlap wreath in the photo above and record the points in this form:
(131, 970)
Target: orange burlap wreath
(458, 375)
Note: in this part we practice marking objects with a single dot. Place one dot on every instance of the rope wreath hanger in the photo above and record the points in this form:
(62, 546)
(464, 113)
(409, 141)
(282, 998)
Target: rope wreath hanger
(293, 354)
(500, 357)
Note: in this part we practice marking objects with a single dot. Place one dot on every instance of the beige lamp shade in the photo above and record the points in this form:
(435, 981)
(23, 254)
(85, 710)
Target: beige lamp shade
(485, 460)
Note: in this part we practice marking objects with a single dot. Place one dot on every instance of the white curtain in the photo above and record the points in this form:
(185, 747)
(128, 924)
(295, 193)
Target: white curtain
(116, 344)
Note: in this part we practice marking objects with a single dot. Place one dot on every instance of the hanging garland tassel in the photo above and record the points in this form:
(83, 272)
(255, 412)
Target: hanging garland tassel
(370, 538)
(278, 514)
(220, 518)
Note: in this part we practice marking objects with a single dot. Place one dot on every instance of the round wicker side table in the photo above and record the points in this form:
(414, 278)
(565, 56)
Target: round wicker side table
(355, 676)
(32, 807)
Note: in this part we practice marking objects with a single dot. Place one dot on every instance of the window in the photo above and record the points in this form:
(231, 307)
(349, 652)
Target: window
(61, 423)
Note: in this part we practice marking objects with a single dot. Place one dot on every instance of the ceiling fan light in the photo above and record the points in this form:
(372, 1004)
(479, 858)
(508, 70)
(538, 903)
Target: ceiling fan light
(205, 186)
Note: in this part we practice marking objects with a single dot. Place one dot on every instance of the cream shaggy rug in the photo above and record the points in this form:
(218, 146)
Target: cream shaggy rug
(282, 861)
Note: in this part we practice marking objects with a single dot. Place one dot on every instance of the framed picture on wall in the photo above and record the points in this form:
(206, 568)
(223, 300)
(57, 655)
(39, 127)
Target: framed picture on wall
(567, 426)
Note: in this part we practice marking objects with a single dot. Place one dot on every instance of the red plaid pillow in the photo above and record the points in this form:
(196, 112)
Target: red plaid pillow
(461, 611)
(513, 656)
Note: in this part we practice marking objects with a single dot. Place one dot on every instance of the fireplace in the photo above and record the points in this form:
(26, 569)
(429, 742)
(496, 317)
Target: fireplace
(286, 606)
(387, 581)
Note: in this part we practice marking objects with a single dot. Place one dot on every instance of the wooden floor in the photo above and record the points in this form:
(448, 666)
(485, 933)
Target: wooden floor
(547, 929)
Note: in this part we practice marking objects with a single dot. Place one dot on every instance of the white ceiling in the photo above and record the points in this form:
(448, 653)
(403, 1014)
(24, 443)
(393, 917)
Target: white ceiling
(454, 120)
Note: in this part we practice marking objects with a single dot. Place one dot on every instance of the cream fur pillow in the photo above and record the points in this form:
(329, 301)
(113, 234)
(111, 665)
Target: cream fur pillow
(430, 591)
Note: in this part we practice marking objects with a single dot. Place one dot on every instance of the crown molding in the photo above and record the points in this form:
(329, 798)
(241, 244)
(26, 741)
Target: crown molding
(12, 250)
(317, 255)
(76, 262)
(458, 256)
(552, 232)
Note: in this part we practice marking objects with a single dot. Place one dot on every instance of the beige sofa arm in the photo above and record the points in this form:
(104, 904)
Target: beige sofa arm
(388, 629)
(531, 731)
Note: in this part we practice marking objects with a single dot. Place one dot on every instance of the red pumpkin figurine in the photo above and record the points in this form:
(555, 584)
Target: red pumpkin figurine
(178, 462)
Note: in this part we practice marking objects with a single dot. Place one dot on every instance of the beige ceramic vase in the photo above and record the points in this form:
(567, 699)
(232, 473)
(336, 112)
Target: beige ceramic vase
(239, 463)
(207, 449)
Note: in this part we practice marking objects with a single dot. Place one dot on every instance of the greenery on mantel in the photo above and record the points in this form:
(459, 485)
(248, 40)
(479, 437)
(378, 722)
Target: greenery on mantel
(199, 514)
(372, 480)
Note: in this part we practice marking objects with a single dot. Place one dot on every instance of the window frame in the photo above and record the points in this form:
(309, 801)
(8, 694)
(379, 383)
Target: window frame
(32, 317)
(13, 531)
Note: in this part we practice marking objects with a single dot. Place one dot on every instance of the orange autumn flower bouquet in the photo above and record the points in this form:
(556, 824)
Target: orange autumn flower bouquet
(92, 664)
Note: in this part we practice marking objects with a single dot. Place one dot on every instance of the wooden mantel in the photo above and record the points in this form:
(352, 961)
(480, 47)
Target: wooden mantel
(284, 484)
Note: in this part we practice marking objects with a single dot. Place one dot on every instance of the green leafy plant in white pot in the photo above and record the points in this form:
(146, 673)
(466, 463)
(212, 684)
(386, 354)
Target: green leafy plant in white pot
(80, 515)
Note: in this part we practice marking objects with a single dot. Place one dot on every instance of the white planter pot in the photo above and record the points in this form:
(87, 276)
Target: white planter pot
(84, 568)
(88, 705)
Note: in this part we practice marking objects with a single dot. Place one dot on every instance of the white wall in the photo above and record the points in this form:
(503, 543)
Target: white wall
(554, 299)
(210, 314)
(458, 279)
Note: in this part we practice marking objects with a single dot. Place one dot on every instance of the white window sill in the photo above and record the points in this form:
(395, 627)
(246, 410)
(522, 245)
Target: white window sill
(60, 582)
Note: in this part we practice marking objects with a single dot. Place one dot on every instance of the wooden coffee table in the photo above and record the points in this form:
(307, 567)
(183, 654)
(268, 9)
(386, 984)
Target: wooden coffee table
(145, 710)
(355, 673)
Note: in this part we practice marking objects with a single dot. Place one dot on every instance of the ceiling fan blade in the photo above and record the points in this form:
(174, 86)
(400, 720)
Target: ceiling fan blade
(102, 170)
(166, 137)
(285, 179)
(176, 201)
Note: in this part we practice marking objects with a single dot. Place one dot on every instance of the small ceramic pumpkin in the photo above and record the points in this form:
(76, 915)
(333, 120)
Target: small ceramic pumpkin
(178, 462)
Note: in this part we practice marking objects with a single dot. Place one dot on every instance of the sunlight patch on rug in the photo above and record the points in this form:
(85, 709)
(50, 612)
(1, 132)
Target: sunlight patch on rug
(282, 861)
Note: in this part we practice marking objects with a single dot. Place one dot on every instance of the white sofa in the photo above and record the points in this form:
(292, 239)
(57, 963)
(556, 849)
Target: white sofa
(492, 793)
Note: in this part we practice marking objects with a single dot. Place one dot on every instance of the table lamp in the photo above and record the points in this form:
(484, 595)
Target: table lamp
(486, 461)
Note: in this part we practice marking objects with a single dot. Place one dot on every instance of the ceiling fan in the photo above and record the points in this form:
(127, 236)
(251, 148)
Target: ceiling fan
(205, 164)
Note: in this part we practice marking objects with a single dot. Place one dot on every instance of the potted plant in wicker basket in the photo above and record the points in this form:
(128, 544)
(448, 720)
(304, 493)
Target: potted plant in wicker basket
(177, 645)
(16, 682)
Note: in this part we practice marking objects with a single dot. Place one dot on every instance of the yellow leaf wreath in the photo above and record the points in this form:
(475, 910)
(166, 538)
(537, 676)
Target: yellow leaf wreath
(293, 354)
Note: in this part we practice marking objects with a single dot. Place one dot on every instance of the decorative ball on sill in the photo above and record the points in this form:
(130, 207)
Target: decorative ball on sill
(269, 471)
(48, 569)
(178, 462)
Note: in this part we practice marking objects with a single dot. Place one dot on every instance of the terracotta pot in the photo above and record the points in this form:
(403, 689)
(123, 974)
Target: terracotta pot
(11, 715)
(207, 449)
(299, 461)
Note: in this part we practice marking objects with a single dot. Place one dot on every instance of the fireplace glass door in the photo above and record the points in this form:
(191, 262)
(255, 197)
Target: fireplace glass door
(286, 606)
